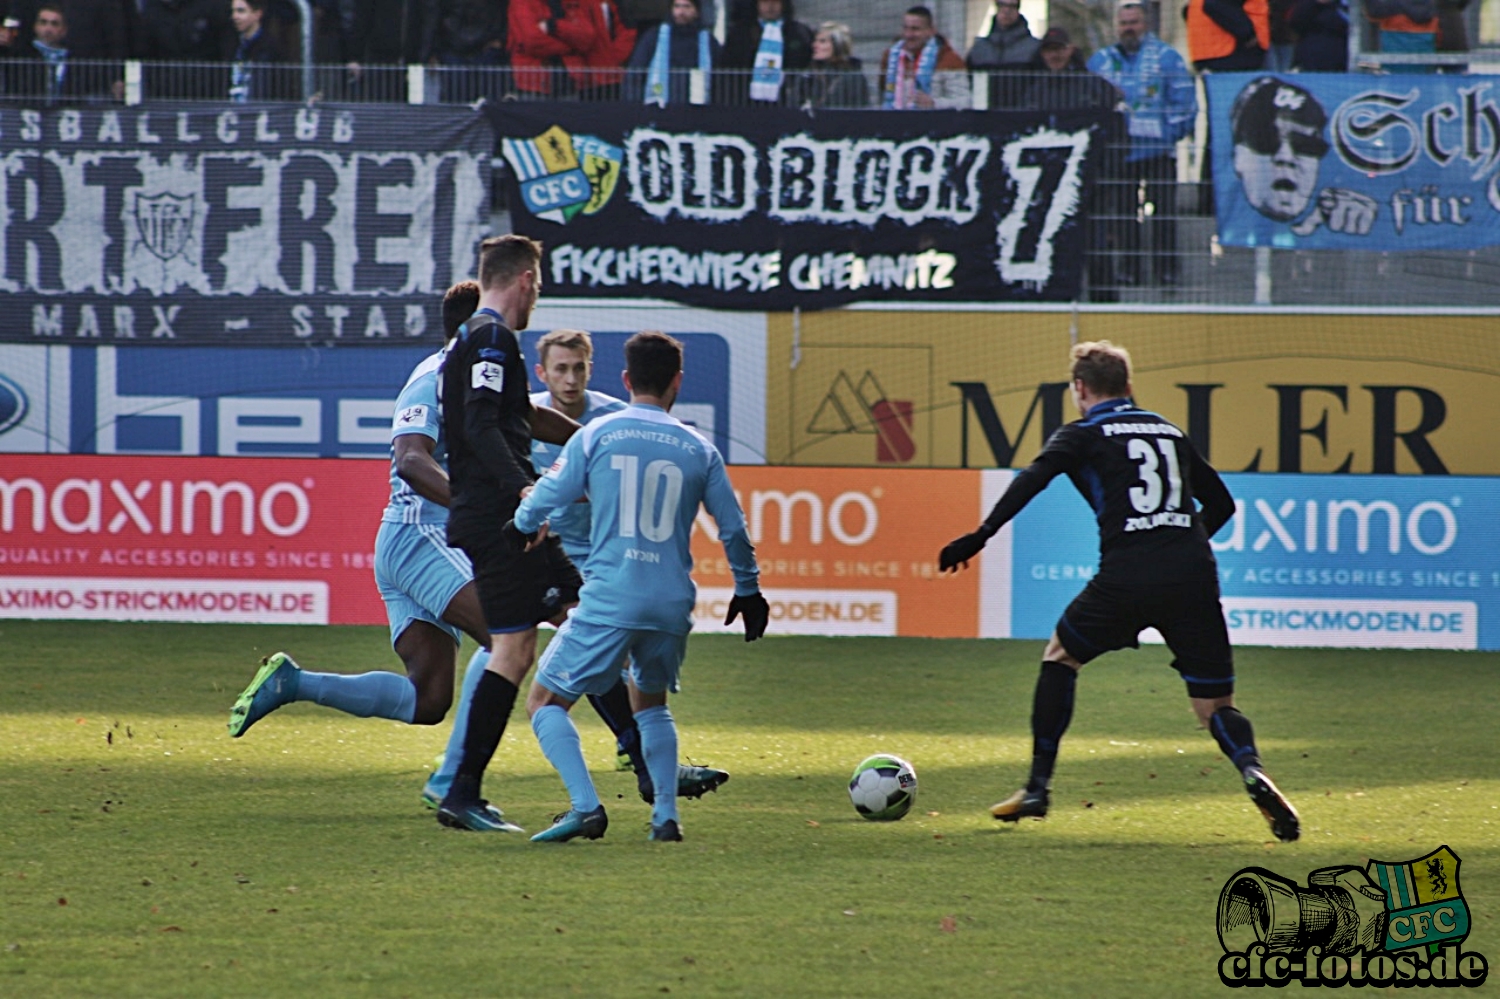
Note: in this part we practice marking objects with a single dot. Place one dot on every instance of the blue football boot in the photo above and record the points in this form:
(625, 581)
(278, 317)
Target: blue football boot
(572, 824)
(475, 816)
(667, 832)
(275, 684)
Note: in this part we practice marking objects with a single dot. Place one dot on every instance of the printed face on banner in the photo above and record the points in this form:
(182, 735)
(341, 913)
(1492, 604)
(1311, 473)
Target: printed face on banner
(1278, 142)
(1354, 163)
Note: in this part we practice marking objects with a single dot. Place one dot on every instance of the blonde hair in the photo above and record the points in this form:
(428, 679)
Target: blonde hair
(840, 38)
(578, 340)
(1103, 368)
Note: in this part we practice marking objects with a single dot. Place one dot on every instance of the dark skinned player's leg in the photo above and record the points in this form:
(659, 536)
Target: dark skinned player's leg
(464, 613)
(429, 654)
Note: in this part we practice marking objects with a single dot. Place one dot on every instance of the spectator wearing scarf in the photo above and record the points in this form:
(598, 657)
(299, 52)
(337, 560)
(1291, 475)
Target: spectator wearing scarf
(665, 54)
(251, 75)
(51, 30)
(761, 50)
(922, 71)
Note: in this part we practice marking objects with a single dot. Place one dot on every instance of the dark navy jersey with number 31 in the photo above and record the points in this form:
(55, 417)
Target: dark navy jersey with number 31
(1157, 502)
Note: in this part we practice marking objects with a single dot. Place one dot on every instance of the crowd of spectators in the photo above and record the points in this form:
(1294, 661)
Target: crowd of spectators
(653, 50)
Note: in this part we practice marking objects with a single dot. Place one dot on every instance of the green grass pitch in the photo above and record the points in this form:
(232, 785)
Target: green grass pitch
(145, 853)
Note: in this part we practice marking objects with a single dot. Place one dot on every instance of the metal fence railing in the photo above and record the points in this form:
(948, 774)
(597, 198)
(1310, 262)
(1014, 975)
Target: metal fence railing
(137, 81)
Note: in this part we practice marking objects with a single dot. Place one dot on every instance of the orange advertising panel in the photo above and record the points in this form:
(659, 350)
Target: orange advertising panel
(848, 551)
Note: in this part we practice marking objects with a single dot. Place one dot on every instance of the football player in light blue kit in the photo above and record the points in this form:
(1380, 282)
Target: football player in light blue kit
(428, 588)
(566, 361)
(645, 474)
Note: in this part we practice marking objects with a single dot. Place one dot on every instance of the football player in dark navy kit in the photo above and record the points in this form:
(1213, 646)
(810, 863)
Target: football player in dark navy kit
(488, 421)
(1142, 477)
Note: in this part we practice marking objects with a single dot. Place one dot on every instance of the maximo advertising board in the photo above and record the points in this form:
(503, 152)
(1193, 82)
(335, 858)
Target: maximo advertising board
(1334, 561)
(1309, 560)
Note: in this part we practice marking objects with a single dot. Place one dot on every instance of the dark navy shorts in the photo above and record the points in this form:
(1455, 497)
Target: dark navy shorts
(1111, 615)
(519, 590)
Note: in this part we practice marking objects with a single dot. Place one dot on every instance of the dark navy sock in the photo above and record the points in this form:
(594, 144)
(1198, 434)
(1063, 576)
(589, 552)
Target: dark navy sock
(1235, 736)
(1051, 711)
(614, 707)
(488, 713)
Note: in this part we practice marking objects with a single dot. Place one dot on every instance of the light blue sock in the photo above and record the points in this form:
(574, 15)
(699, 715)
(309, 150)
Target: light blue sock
(379, 694)
(659, 746)
(564, 750)
(439, 782)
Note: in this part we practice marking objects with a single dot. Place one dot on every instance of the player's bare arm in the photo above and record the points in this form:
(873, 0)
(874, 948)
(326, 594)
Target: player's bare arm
(420, 470)
(552, 427)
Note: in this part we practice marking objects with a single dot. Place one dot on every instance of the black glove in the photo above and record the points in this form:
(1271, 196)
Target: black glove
(960, 550)
(515, 537)
(757, 614)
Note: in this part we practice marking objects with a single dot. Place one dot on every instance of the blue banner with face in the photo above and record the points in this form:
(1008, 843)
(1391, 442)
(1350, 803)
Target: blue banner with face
(1349, 162)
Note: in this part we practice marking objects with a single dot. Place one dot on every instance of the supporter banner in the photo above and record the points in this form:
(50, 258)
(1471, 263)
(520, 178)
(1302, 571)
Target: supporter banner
(190, 539)
(194, 224)
(313, 401)
(1309, 560)
(1264, 392)
(1355, 162)
(776, 209)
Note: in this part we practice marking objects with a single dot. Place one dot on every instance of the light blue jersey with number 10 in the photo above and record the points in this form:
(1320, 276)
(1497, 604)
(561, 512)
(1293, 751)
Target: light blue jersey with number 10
(645, 474)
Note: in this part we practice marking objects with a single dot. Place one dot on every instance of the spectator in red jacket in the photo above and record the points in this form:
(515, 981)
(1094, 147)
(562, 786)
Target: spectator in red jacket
(557, 44)
(604, 61)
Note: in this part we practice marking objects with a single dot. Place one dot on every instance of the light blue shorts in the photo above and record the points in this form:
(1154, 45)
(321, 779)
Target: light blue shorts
(418, 575)
(584, 658)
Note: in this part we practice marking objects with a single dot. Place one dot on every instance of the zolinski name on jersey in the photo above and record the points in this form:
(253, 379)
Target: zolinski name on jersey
(1166, 518)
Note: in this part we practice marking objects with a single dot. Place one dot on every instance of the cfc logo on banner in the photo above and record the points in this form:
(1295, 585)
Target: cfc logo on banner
(564, 175)
(1399, 923)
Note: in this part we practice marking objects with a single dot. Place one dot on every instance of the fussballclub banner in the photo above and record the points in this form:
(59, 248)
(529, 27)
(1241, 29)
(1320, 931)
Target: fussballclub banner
(1353, 162)
(196, 224)
(771, 209)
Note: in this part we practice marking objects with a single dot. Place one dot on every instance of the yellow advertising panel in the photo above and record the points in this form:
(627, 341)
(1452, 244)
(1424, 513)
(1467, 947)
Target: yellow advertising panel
(1283, 392)
(846, 551)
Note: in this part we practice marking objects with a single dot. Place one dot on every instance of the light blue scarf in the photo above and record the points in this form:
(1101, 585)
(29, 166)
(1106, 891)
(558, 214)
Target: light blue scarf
(926, 65)
(765, 79)
(57, 62)
(658, 86)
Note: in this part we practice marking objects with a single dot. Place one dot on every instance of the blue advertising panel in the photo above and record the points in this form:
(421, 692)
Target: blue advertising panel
(1308, 560)
(305, 402)
(1354, 162)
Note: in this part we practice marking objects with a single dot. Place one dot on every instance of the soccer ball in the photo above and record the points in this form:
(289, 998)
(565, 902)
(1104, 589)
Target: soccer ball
(883, 788)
